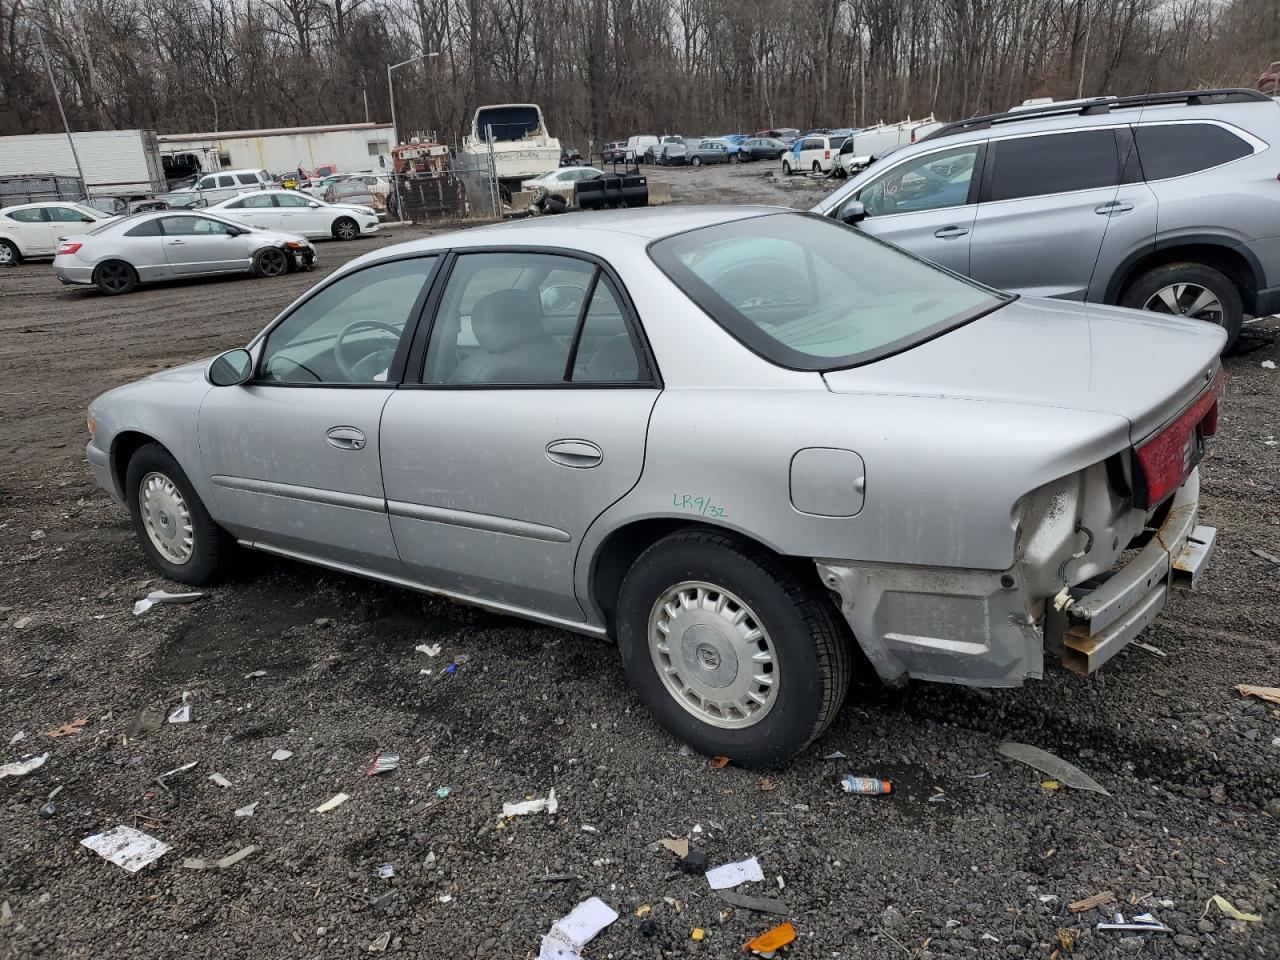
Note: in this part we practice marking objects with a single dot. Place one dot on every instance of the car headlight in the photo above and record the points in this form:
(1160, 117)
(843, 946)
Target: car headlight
(91, 423)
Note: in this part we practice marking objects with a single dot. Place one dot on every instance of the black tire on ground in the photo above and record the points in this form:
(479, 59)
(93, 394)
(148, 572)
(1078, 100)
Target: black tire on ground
(10, 255)
(735, 157)
(817, 167)
(344, 228)
(810, 645)
(211, 546)
(696, 162)
(115, 276)
(1143, 289)
(786, 168)
(270, 262)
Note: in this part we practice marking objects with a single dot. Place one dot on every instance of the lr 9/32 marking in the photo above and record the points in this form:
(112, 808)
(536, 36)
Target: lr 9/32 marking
(699, 505)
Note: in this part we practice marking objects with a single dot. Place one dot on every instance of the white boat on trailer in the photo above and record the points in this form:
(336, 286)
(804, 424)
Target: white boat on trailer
(521, 145)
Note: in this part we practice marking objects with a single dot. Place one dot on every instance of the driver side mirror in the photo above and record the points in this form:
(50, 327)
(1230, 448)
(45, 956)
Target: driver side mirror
(233, 231)
(231, 368)
(853, 213)
(313, 205)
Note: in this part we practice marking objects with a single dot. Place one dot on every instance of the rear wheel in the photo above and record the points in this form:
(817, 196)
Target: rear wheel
(735, 158)
(170, 521)
(696, 161)
(817, 167)
(786, 168)
(9, 255)
(731, 653)
(270, 262)
(344, 228)
(115, 276)
(1189, 290)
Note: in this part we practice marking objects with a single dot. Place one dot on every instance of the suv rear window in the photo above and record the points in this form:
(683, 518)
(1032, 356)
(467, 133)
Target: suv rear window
(1056, 163)
(1176, 149)
(808, 293)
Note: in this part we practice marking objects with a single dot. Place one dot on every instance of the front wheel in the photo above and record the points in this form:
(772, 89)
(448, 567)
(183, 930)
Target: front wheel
(344, 228)
(270, 262)
(1189, 290)
(9, 255)
(734, 158)
(786, 169)
(696, 161)
(729, 651)
(170, 521)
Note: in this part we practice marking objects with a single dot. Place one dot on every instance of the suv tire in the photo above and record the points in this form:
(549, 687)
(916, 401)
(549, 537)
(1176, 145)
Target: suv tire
(707, 593)
(786, 168)
(1174, 288)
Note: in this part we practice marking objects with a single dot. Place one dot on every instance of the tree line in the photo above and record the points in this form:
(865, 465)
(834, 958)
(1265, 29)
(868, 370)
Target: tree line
(605, 68)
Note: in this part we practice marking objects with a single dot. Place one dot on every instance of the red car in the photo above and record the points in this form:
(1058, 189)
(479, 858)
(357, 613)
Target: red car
(1269, 82)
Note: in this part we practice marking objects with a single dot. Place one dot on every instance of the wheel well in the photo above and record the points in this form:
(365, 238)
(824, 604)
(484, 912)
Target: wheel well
(623, 546)
(1234, 265)
(125, 445)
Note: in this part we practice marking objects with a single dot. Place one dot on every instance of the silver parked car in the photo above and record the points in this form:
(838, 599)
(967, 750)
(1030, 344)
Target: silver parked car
(167, 244)
(738, 440)
(1165, 202)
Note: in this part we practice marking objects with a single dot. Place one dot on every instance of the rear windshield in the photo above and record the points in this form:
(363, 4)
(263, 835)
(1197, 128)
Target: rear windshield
(809, 293)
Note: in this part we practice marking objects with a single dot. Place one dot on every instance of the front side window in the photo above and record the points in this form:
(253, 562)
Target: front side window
(207, 183)
(69, 215)
(35, 215)
(931, 182)
(291, 200)
(348, 332)
(193, 227)
(1176, 149)
(256, 202)
(808, 293)
(226, 181)
(1057, 163)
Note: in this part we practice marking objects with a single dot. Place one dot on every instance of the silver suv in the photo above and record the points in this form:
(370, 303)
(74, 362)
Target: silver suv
(1166, 202)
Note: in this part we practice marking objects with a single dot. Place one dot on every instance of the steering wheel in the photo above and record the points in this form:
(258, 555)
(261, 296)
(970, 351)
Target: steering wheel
(378, 360)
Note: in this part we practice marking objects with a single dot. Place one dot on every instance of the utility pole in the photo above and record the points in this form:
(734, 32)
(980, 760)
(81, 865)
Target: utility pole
(391, 91)
(48, 67)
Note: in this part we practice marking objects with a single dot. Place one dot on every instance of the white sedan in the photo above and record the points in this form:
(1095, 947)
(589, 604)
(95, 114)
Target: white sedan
(561, 181)
(34, 229)
(298, 213)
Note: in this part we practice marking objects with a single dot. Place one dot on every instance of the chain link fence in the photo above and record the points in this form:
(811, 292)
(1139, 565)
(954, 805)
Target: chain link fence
(462, 191)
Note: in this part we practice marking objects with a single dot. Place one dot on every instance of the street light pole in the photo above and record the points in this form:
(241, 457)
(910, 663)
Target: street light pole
(48, 66)
(391, 91)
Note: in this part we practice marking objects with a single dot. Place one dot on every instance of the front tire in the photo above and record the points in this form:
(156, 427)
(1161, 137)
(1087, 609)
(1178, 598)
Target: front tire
(10, 256)
(344, 228)
(786, 168)
(170, 521)
(1189, 290)
(729, 650)
(696, 162)
(270, 262)
(115, 277)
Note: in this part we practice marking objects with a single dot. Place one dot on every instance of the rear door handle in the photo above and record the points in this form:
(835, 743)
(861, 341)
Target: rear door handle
(950, 233)
(578, 454)
(345, 438)
(1114, 206)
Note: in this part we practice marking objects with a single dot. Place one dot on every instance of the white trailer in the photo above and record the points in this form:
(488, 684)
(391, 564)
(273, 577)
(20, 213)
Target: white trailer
(116, 163)
(347, 147)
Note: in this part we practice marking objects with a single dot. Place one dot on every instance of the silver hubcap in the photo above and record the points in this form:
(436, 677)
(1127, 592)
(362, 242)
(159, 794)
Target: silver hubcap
(713, 655)
(165, 515)
(6, 253)
(1187, 300)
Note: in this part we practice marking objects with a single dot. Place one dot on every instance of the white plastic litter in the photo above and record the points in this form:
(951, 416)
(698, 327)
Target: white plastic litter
(547, 804)
(182, 714)
(575, 931)
(219, 779)
(126, 847)
(162, 596)
(17, 737)
(430, 649)
(336, 800)
(248, 811)
(255, 674)
(387, 871)
(1268, 364)
(732, 874)
(282, 755)
(21, 768)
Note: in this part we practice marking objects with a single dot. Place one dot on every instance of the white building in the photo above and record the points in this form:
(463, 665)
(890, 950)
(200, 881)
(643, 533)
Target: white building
(345, 146)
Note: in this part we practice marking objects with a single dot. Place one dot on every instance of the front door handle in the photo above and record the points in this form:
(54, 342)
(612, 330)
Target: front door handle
(176, 243)
(1114, 206)
(950, 233)
(578, 454)
(345, 438)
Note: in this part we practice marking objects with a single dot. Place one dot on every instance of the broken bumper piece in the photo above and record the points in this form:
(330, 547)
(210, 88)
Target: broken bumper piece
(1103, 618)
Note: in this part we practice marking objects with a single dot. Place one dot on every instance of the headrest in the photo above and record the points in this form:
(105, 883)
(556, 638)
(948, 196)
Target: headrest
(505, 319)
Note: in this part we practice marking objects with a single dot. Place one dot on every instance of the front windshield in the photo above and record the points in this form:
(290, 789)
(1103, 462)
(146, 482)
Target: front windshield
(809, 293)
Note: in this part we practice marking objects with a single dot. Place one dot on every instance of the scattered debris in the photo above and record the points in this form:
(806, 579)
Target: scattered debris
(547, 804)
(1149, 648)
(1269, 694)
(679, 847)
(219, 779)
(163, 596)
(834, 755)
(1258, 552)
(939, 795)
(1268, 364)
(48, 811)
(443, 792)
(387, 871)
(193, 863)
(1066, 937)
(382, 763)
(20, 768)
(694, 862)
(697, 934)
(6, 915)
(445, 898)
(756, 904)
(774, 939)
(17, 738)
(1055, 767)
(282, 755)
(248, 811)
(1142, 923)
(574, 931)
(162, 781)
(68, 729)
(1088, 903)
(380, 944)
(430, 649)
(255, 674)
(148, 719)
(450, 669)
(718, 763)
(182, 714)
(1225, 905)
(644, 911)
(732, 874)
(126, 847)
(588, 828)
(869, 786)
(22, 623)
(337, 800)
(1050, 785)
(767, 786)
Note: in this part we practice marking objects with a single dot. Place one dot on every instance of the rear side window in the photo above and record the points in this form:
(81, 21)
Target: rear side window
(1176, 149)
(1060, 163)
(226, 181)
(147, 228)
(248, 179)
(26, 216)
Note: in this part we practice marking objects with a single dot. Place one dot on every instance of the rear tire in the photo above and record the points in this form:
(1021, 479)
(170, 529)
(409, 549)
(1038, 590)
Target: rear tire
(344, 228)
(817, 167)
(696, 162)
(175, 530)
(786, 168)
(114, 277)
(1189, 289)
(270, 262)
(10, 256)
(720, 606)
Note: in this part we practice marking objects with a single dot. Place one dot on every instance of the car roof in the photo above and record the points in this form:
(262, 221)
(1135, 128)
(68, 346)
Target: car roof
(49, 203)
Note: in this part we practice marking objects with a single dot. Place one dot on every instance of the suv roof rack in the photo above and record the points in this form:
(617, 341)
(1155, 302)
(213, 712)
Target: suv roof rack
(1102, 105)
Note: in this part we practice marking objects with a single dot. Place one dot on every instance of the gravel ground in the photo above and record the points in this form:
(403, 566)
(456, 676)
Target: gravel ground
(986, 870)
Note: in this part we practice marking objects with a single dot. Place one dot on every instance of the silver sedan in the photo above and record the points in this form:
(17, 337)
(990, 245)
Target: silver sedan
(167, 244)
(744, 443)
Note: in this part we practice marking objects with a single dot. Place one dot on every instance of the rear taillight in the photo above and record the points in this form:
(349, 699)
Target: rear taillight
(826, 154)
(1164, 460)
(69, 248)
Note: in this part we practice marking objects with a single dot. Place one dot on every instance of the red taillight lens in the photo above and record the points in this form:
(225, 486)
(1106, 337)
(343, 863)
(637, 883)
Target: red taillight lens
(826, 154)
(69, 248)
(1164, 460)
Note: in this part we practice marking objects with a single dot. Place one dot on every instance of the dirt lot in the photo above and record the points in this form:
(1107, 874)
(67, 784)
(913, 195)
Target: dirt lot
(970, 855)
